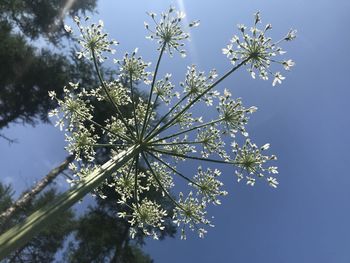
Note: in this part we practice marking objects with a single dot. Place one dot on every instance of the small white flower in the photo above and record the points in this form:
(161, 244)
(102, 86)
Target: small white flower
(239, 176)
(53, 112)
(228, 50)
(273, 170)
(265, 147)
(250, 181)
(253, 109)
(241, 27)
(68, 29)
(227, 93)
(278, 78)
(292, 34)
(52, 94)
(181, 15)
(252, 73)
(287, 64)
(272, 182)
(194, 23)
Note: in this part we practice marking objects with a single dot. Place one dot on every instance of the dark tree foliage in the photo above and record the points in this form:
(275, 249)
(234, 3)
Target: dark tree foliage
(6, 193)
(26, 76)
(43, 247)
(107, 243)
(41, 18)
(28, 73)
(101, 236)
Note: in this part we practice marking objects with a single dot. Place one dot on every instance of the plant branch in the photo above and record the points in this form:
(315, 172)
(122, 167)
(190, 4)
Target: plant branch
(133, 105)
(173, 169)
(192, 157)
(151, 92)
(102, 127)
(108, 95)
(188, 130)
(165, 126)
(163, 189)
(166, 115)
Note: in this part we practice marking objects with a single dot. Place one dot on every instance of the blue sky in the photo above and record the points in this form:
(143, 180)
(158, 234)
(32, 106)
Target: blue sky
(306, 219)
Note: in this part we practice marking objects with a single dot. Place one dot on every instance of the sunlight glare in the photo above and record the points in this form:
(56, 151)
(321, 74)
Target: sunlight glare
(191, 44)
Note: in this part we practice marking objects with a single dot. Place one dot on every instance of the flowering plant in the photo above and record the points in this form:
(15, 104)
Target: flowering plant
(159, 143)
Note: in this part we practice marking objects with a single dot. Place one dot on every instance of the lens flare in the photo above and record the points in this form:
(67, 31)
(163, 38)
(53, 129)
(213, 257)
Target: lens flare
(191, 44)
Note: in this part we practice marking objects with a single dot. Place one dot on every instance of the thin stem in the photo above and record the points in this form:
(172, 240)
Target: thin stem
(152, 108)
(133, 105)
(197, 98)
(173, 169)
(130, 168)
(164, 190)
(106, 145)
(180, 174)
(102, 127)
(108, 95)
(160, 184)
(188, 130)
(175, 143)
(135, 183)
(154, 104)
(152, 87)
(192, 157)
(67, 175)
(166, 115)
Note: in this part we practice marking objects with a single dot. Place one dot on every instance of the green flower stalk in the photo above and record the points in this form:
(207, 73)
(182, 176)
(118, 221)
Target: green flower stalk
(159, 143)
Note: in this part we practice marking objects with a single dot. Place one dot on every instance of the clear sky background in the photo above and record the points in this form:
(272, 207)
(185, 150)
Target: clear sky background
(306, 120)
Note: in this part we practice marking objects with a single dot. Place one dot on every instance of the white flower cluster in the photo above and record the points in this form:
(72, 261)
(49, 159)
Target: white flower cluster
(164, 89)
(258, 50)
(161, 142)
(249, 159)
(233, 114)
(168, 30)
(92, 38)
(132, 68)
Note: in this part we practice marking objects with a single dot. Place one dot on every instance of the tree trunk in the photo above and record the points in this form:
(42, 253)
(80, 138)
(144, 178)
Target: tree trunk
(27, 198)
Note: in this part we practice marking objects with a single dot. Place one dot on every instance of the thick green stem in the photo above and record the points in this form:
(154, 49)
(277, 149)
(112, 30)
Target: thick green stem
(21, 233)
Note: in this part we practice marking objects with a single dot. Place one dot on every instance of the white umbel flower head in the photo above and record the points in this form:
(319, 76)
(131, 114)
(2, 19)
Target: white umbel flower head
(258, 51)
(155, 144)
